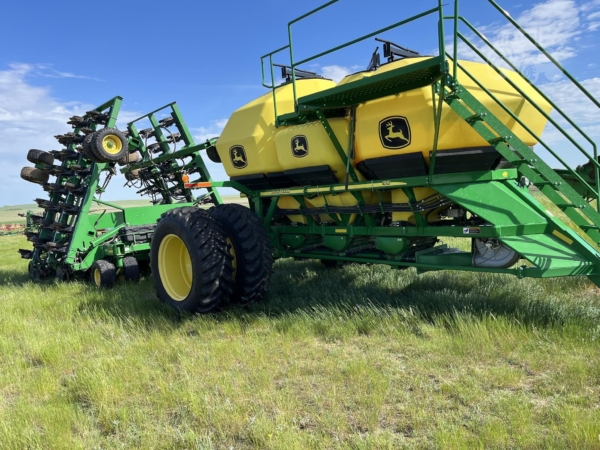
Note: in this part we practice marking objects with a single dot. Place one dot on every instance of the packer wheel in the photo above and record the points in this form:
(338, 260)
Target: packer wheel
(34, 175)
(131, 269)
(103, 273)
(40, 157)
(130, 158)
(86, 146)
(251, 251)
(133, 175)
(213, 155)
(190, 261)
(108, 145)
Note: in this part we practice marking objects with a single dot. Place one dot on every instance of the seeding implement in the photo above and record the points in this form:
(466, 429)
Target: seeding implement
(70, 239)
(374, 169)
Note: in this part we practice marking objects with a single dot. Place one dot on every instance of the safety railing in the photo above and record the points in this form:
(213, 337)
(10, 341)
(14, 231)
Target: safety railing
(457, 35)
(294, 64)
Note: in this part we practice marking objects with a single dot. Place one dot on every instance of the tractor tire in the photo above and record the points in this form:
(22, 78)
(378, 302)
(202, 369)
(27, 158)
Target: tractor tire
(190, 261)
(40, 157)
(131, 269)
(103, 274)
(130, 158)
(86, 146)
(33, 175)
(213, 155)
(108, 145)
(251, 250)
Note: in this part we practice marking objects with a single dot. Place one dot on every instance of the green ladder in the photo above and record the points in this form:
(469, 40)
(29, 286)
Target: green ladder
(527, 162)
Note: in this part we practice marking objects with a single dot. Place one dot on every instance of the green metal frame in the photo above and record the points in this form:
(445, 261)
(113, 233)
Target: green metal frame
(97, 236)
(568, 189)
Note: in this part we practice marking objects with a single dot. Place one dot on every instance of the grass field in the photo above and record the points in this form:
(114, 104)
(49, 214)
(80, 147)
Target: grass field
(362, 357)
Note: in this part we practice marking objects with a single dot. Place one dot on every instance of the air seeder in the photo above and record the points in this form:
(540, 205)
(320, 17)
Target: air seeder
(375, 169)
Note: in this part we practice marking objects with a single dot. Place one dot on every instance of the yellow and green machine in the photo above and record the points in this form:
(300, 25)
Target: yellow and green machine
(376, 169)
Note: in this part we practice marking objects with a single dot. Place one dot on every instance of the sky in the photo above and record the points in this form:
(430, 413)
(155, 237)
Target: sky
(62, 58)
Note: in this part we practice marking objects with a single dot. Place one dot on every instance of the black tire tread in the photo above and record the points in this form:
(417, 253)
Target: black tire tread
(252, 248)
(212, 264)
(40, 157)
(34, 175)
(108, 273)
(131, 269)
(96, 145)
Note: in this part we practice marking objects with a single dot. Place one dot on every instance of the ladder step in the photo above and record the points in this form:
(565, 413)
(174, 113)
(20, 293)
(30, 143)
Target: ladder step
(475, 118)
(570, 205)
(589, 227)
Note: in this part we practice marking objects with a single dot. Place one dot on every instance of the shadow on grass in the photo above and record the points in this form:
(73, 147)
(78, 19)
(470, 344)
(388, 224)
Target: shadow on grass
(15, 277)
(305, 287)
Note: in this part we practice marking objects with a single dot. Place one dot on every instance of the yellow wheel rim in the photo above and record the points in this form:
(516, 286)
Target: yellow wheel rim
(97, 277)
(175, 267)
(112, 144)
(232, 253)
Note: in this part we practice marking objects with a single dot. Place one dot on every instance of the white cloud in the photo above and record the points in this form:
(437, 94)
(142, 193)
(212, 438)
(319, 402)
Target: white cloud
(213, 130)
(30, 117)
(335, 73)
(556, 24)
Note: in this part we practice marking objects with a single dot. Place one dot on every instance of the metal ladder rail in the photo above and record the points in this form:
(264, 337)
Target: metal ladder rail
(529, 164)
(594, 160)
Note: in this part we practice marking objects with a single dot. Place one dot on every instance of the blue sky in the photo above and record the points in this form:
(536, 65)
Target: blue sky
(62, 58)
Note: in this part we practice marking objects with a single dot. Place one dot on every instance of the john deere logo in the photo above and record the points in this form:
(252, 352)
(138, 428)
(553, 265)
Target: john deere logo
(299, 146)
(394, 132)
(238, 157)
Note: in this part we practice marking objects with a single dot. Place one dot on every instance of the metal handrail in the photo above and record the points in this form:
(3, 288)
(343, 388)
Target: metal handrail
(458, 35)
(441, 43)
(543, 50)
(538, 90)
(525, 127)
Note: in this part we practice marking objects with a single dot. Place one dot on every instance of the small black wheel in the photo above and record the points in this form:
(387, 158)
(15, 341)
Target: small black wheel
(108, 145)
(34, 175)
(62, 274)
(131, 269)
(40, 157)
(133, 175)
(213, 155)
(103, 274)
(251, 250)
(35, 273)
(190, 261)
(130, 158)
(86, 146)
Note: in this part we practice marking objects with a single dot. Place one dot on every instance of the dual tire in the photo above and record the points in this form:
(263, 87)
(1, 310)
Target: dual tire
(107, 145)
(202, 261)
(103, 273)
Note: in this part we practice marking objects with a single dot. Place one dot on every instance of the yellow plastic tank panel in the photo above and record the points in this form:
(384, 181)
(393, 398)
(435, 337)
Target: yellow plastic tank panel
(247, 144)
(308, 145)
(404, 123)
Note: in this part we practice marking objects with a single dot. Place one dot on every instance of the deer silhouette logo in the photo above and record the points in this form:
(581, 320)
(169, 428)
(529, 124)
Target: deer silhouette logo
(237, 154)
(394, 132)
(299, 146)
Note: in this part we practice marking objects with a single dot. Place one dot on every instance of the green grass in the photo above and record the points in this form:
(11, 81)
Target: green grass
(362, 357)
